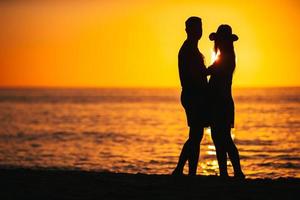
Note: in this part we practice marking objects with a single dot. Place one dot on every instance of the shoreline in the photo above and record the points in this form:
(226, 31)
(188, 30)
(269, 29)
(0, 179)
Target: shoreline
(21, 183)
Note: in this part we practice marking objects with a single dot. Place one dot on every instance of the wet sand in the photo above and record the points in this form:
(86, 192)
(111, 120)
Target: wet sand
(65, 184)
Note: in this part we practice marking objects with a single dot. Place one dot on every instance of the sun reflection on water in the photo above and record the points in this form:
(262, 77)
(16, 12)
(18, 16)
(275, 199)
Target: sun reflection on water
(209, 167)
(211, 150)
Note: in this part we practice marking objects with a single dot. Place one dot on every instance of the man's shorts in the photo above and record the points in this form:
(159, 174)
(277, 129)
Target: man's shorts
(196, 108)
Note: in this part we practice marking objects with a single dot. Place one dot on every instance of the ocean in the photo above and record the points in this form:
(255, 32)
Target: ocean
(142, 130)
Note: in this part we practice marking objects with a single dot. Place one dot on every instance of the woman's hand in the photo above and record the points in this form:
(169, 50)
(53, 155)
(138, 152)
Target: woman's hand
(210, 70)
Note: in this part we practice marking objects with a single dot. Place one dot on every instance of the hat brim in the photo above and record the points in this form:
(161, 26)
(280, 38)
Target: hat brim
(214, 36)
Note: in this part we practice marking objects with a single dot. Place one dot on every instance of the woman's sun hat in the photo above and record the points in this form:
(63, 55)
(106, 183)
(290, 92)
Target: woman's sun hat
(224, 32)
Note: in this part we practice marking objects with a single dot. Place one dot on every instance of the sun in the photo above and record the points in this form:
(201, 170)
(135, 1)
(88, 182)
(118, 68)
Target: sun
(215, 56)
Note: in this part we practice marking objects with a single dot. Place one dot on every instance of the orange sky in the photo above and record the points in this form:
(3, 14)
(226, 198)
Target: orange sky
(134, 43)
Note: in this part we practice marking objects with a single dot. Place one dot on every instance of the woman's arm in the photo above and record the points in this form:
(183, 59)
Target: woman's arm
(224, 67)
(211, 69)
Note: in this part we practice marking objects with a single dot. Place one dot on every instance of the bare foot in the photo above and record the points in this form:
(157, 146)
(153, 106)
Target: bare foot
(177, 172)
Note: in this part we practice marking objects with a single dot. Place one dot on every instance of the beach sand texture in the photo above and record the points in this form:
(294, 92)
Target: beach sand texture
(64, 184)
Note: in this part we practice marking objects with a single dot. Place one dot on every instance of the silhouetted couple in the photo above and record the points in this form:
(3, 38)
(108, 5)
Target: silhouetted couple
(208, 103)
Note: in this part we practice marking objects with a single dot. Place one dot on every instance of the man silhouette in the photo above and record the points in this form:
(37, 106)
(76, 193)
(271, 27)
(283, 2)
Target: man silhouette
(192, 72)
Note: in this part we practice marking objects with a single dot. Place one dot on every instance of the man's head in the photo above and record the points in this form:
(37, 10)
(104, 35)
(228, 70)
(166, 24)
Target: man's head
(193, 27)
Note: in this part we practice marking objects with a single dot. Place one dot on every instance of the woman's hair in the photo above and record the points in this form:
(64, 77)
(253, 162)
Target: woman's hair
(226, 49)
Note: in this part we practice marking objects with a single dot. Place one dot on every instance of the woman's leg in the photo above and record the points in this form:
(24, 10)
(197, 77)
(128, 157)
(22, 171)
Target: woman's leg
(233, 153)
(218, 139)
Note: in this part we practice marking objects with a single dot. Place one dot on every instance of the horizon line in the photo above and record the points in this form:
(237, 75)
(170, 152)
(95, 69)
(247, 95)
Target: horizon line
(137, 87)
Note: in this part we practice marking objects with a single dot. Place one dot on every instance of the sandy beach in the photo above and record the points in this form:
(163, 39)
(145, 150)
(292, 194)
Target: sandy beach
(62, 184)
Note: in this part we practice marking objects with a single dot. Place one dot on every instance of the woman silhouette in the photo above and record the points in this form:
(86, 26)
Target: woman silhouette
(222, 105)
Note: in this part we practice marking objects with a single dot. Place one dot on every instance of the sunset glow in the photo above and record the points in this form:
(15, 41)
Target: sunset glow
(135, 43)
(214, 56)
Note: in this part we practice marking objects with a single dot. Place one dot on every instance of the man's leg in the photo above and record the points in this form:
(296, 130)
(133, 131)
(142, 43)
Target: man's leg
(182, 158)
(195, 137)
